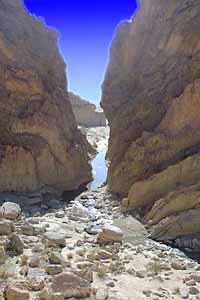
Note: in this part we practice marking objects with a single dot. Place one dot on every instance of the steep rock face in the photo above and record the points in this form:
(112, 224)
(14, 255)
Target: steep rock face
(40, 146)
(151, 97)
(86, 113)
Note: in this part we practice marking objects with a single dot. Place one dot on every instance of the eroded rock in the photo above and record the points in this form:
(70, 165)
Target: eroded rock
(151, 99)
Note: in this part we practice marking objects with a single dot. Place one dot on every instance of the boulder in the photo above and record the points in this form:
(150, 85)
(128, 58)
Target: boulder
(14, 293)
(6, 227)
(110, 234)
(16, 244)
(54, 239)
(10, 210)
(70, 284)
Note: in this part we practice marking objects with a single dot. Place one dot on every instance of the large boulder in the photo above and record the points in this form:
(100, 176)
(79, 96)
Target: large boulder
(70, 284)
(15, 293)
(40, 145)
(110, 234)
(10, 210)
(151, 98)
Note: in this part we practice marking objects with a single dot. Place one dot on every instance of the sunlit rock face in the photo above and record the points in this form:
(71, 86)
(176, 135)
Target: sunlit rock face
(40, 145)
(151, 97)
(86, 113)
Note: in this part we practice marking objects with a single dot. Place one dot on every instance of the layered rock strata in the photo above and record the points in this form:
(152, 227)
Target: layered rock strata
(86, 113)
(40, 145)
(151, 97)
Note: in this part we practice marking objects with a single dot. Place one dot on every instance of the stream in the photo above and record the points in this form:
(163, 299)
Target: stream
(99, 137)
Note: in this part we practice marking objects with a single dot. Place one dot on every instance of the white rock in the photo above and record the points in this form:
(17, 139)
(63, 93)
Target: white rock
(110, 234)
(10, 210)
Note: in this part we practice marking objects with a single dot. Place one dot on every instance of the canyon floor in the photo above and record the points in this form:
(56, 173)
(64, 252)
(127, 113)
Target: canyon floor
(53, 250)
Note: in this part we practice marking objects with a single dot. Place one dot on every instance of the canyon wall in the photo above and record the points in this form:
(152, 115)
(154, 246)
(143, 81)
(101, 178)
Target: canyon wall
(86, 113)
(151, 98)
(40, 145)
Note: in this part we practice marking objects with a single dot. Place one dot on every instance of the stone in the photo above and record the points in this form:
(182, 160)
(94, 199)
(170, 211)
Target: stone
(178, 265)
(154, 126)
(14, 293)
(34, 261)
(3, 255)
(39, 247)
(27, 229)
(16, 244)
(10, 210)
(54, 239)
(103, 254)
(36, 284)
(110, 234)
(41, 146)
(93, 229)
(53, 269)
(69, 284)
(56, 296)
(193, 290)
(56, 257)
(6, 227)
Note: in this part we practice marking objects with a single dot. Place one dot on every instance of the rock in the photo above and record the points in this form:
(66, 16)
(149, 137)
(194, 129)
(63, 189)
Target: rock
(28, 229)
(86, 113)
(36, 283)
(10, 210)
(16, 244)
(6, 227)
(53, 269)
(14, 293)
(110, 234)
(3, 255)
(69, 284)
(183, 224)
(39, 247)
(34, 261)
(54, 239)
(102, 254)
(56, 296)
(56, 258)
(140, 274)
(84, 265)
(41, 147)
(59, 215)
(155, 130)
(193, 290)
(78, 213)
(93, 229)
(178, 265)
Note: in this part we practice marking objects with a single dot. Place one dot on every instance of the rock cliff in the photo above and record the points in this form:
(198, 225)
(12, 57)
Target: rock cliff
(40, 145)
(86, 113)
(151, 97)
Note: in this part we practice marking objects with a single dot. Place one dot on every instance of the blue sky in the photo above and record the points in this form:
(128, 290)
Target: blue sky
(86, 29)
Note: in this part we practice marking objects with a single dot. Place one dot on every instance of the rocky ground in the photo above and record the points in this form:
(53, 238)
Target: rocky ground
(88, 249)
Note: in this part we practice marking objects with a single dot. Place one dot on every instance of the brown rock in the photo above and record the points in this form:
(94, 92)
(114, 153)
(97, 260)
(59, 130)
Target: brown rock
(40, 144)
(151, 98)
(86, 113)
(69, 284)
(14, 293)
